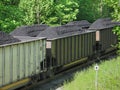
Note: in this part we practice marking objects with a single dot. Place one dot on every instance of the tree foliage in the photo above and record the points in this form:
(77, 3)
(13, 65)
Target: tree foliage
(49, 11)
(34, 9)
(63, 11)
(10, 17)
(92, 9)
(115, 6)
(10, 2)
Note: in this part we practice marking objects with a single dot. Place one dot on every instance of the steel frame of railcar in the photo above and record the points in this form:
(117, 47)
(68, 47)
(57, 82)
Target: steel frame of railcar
(66, 50)
(108, 39)
(21, 60)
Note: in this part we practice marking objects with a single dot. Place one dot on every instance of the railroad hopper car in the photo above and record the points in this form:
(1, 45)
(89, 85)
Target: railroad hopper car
(67, 45)
(104, 34)
(21, 60)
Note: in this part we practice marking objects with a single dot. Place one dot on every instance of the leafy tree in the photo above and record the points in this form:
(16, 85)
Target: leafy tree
(49, 11)
(10, 17)
(35, 9)
(64, 11)
(115, 8)
(10, 2)
(92, 9)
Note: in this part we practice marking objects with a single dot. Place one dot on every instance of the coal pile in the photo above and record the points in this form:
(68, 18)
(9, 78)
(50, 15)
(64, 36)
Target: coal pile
(6, 38)
(117, 23)
(82, 23)
(61, 31)
(32, 30)
(103, 23)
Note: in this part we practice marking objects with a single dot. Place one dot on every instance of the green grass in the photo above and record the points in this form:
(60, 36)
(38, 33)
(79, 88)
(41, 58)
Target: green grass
(108, 77)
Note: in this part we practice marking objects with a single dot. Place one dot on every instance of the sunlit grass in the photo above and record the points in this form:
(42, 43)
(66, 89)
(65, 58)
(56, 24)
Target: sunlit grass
(108, 77)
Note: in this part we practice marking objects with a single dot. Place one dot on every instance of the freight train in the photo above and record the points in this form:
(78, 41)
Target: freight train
(41, 55)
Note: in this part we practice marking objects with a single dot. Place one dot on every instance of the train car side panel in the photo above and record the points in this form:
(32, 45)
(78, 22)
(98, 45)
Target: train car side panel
(21, 53)
(68, 49)
(1, 67)
(107, 38)
(21, 60)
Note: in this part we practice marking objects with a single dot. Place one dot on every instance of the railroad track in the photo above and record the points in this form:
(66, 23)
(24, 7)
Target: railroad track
(67, 74)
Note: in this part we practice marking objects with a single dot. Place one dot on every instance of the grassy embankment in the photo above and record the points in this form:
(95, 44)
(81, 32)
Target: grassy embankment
(108, 77)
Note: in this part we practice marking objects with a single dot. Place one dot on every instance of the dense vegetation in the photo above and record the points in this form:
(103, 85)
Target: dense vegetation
(108, 77)
(14, 13)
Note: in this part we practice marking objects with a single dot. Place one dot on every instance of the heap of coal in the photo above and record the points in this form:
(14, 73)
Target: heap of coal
(32, 30)
(82, 23)
(6, 38)
(117, 23)
(103, 23)
(61, 31)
